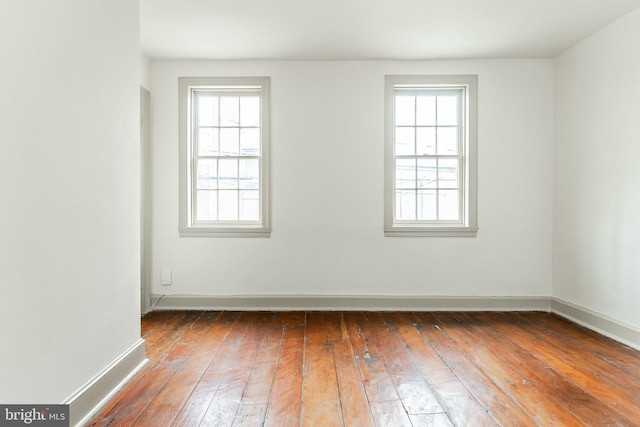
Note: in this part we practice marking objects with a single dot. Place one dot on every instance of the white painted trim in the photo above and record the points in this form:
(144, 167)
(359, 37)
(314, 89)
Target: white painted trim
(434, 231)
(204, 231)
(88, 400)
(145, 200)
(468, 226)
(349, 303)
(186, 225)
(615, 329)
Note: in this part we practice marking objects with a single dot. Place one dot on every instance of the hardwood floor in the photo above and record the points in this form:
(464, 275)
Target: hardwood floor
(376, 369)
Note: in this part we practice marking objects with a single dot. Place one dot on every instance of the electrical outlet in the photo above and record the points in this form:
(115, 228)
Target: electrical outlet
(165, 278)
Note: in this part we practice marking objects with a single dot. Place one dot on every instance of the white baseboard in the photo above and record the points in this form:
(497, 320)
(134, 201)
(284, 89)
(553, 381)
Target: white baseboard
(348, 303)
(601, 323)
(88, 400)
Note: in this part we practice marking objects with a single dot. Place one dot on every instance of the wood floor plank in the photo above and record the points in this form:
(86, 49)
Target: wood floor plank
(431, 420)
(320, 396)
(500, 406)
(613, 353)
(594, 365)
(285, 403)
(353, 398)
(627, 406)
(415, 394)
(194, 409)
(461, 406)
(518, 384)
(166, 405)
(158, 346)
(615, 388)
(350, 369)
(175, 357)
(155, 325)
(225, 401)
(383, 397)
(255, 398)
(560, 392)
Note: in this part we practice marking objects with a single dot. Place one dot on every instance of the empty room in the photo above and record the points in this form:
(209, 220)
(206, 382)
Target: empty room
(330, 213)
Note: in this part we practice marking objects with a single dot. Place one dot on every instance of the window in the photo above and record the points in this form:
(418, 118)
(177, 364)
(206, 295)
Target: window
(224, 163)
(430, 156)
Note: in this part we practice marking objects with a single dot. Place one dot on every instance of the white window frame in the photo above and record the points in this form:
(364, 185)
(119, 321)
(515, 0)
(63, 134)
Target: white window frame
(467, 226)
(188, 226)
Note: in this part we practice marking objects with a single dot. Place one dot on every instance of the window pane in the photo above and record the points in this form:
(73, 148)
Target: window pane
(249, 174)
(228, 173)
(426, 141)
(229, 142)
(405, 110)
(207, 110)
(430, 155)
(250, 111)
(427, 205)
(448, 141)
(228, 205)
(207, 174)
(229, 111)
(405, 141)
(405, 173)
(426, 110)
(447, 110)
(448, 173)
(207, 206)
(207, 142)
(427, 173)
(222, 156)
(448, 205)
(249, 205)
(405, 205)
(250, 142)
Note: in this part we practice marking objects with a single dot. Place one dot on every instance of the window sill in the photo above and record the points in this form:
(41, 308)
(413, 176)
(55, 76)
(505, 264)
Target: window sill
(408, 231)
(224, 232)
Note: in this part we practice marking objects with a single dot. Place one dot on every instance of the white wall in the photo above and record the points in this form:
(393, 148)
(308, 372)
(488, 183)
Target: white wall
(596, 244)
(327, 163)
(69, 245)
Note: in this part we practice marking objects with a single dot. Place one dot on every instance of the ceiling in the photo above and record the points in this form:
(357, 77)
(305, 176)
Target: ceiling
(370, 29)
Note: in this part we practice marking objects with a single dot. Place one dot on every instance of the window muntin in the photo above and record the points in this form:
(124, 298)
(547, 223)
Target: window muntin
(225, 189)
(430, 182)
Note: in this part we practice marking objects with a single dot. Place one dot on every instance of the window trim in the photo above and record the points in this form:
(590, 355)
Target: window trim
(187, 226)
(469, 226)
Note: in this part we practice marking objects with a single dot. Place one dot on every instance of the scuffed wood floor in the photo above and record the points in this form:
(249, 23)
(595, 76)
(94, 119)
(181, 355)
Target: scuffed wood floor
(326, 369)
